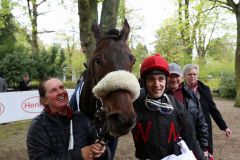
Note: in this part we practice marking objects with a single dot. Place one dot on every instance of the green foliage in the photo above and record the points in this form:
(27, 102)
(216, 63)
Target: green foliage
(7, 29)
(69, 84)
(228, 85)
(221, 49)
(212, 68)
(169, 42)
(213, 83)
(218, 76)
(49, 63)
(121, 12)
(77, 63)
(14, 65)
(140, 52)
(19, 62)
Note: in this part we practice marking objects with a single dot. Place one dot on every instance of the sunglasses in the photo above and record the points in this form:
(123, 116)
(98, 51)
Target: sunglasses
(158, 105)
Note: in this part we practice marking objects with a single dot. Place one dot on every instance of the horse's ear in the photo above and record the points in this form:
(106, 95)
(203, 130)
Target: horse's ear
(125, 30)
(97, 32)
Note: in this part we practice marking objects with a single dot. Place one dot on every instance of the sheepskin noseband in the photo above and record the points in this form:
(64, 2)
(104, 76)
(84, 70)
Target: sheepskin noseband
(117, 80)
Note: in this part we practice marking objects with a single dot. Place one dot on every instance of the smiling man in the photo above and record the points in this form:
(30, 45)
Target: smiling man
(161, 118)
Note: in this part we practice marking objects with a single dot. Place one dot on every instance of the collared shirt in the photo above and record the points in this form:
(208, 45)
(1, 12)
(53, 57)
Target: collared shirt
(178, 94)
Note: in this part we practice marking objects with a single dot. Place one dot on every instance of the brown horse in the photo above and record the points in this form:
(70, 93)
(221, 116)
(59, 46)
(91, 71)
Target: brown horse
(115, 108)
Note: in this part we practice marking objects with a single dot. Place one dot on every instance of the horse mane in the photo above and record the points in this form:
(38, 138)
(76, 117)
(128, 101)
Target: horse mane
(87, 100)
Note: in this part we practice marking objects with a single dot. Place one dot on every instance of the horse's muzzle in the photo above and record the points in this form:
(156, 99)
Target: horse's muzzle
(119, 124)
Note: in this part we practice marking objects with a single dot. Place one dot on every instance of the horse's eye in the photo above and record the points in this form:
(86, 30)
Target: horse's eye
(97, 60)
(132, 59)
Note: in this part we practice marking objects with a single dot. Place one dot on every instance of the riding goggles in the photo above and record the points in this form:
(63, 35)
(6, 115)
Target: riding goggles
(159, 105)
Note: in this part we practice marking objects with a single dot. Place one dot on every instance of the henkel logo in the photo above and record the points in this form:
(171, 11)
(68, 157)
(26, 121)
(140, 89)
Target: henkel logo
(32, 105)
(1, 108)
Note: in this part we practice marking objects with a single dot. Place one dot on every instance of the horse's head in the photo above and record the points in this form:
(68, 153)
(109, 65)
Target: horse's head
(112, 54)
(117, 90)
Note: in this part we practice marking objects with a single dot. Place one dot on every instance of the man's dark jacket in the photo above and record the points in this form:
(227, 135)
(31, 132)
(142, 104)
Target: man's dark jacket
(196, 115)
(155, 135)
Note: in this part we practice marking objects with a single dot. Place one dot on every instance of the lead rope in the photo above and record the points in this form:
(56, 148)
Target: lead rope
(100, 130)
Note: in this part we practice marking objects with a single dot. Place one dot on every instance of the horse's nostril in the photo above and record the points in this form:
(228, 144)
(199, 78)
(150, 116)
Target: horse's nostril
(119, 124)
(115, 117)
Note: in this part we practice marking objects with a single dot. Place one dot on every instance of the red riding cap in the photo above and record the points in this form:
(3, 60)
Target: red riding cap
(154, 62)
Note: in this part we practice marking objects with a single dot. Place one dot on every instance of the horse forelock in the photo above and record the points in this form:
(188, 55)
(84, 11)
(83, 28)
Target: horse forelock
(110, 37)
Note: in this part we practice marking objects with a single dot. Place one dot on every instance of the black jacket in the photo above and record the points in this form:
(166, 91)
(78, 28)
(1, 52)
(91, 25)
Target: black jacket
(24, 85)
(196, 115)
(209, 108)
(155, 134)
(48, 137)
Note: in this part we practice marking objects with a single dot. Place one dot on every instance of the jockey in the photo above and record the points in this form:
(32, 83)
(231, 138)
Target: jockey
(161, 118)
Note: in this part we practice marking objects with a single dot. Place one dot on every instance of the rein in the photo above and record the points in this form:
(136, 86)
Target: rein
(101, 126)
(100, 121)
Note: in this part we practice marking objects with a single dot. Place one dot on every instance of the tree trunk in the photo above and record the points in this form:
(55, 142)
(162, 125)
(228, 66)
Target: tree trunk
(185, 29)
(33, 15)
(94, 11)
(87, 13)
(87, 10)
(188, 43)
(180, 18)
(237, 60)
(35, 48)
(235, 8)
(109, 14)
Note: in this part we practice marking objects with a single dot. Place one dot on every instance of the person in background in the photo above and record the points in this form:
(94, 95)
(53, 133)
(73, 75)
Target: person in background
(54, 134)
(188, 98)
(203, 93)
(81, 78)
(161, 119)
(24, 84)
(3, 84)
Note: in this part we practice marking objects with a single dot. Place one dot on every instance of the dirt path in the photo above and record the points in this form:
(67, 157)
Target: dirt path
(13, 137)
(224, 149)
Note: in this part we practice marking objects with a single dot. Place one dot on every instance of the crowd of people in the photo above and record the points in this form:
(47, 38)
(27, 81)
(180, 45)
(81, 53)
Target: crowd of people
(173, 105)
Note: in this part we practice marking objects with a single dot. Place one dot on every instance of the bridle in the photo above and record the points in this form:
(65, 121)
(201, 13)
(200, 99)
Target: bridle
(100, 121)
(100, 117)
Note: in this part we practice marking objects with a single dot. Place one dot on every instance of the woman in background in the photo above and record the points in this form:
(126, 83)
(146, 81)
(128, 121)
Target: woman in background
(203, 92)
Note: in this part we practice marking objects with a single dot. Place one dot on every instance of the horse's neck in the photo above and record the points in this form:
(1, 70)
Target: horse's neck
(87, 101)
